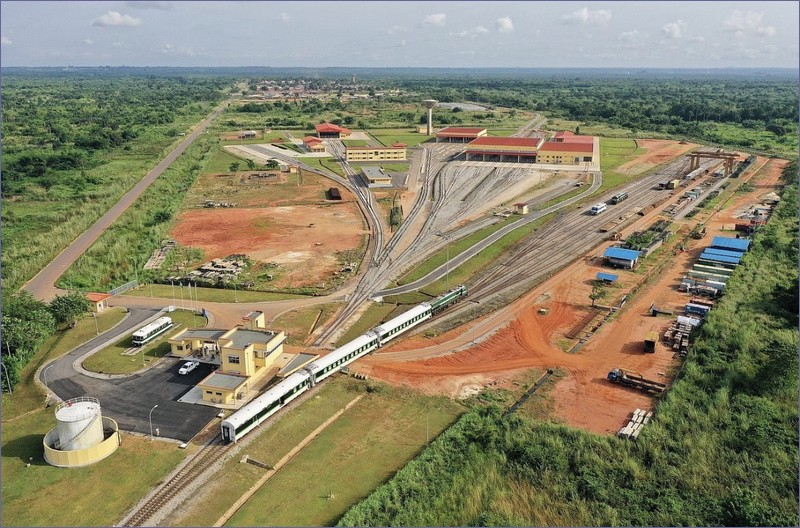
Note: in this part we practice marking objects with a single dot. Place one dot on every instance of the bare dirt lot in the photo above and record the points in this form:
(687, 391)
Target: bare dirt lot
(525, 339)
(302, 239)
(658, 151)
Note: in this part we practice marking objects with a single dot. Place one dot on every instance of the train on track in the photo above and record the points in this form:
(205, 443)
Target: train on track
(251, 415)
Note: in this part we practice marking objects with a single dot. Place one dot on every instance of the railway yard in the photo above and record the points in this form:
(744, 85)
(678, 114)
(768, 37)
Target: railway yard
(533, 308)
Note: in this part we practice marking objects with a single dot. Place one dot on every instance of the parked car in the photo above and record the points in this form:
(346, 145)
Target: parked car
(188, 367)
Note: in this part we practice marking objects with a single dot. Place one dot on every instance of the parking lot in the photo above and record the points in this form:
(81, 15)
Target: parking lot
(129, 400)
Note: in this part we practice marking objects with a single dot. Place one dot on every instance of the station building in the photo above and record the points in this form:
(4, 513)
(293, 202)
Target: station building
(331, 131)
(557, 152)
(393, 153)
(459, 134)
(376, 177)
(97, 301)
(565, 136)
(314, 144)
(245, 354)
(504, 149)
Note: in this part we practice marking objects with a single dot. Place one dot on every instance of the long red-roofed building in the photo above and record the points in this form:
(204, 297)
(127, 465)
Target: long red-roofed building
(504, 149)
(459, 134)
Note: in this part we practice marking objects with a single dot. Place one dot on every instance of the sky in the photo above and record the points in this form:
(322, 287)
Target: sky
(401, 34)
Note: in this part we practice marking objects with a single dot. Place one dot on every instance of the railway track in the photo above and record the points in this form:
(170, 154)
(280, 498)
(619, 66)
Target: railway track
(203, 460)
(557, 244)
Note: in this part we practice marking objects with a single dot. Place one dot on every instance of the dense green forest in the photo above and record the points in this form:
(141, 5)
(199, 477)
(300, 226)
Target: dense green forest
(722, 449)
(72, 145)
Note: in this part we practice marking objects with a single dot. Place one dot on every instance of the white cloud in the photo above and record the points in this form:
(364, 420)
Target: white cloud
(471, 33)
(742, 22)
(439, 19)
(675, 30)
(161, 6)
(629, 36)
(5, 41)
(114, 18)
(403, 42)
(170, 49)
(505, 25)
(697, 39)
(767, 31)
(285, 17)
(118, 44)
(88, 41)
(587, 17)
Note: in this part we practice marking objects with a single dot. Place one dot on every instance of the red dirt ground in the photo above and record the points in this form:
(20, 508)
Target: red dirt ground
(517, 338)
(658, 151)
(277, 234)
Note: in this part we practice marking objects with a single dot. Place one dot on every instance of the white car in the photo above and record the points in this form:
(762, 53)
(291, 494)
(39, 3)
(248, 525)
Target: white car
(188, 367)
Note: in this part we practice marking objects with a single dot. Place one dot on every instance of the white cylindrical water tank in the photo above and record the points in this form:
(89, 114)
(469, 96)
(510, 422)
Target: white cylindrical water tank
(79, 424)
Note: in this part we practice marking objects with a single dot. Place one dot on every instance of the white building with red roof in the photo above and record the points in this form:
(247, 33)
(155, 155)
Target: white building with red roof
(331, 131)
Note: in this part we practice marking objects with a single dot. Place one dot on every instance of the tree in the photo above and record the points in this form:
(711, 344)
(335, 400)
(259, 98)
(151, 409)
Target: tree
(234, 167)
(68, 308)
(598, 292)
(271, 164)
(251, 165)
(578, 129)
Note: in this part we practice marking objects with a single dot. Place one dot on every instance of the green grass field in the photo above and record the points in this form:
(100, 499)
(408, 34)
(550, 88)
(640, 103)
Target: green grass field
(359, 451)
(355, 142)
(220, 162)
(27, 395)
(389, 137)
(323, 163)
(298, 323)
(97, 495)
(613, 153)
(111, 361)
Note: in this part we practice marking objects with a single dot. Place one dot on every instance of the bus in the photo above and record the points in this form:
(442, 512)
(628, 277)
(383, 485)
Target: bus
(598, 208)
(150, 331)
(617, 198)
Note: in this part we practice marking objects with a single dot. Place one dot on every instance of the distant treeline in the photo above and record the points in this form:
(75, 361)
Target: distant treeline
(722, 449)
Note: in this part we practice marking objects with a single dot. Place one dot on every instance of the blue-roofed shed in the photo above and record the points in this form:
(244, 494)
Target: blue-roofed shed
(608, 278)
(724, 252)
(720, 258)
(732, 244)
(618, 257)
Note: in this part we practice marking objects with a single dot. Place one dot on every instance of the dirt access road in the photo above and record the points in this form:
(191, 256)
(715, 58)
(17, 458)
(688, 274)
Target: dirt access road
(42, 286)
(518, 338)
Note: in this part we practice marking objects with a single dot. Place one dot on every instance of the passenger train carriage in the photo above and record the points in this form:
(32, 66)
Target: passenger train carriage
(251, 415)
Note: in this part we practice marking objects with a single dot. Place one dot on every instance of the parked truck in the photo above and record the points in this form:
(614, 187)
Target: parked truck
(650, 341)
(630, 378)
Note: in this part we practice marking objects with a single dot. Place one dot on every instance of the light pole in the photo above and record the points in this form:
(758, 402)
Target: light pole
(96, 326)
(173, 292)
(151, 420)
(474, 318)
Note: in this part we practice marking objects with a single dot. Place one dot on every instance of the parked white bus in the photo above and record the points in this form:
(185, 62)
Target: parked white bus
(598, 208)
(150, 331)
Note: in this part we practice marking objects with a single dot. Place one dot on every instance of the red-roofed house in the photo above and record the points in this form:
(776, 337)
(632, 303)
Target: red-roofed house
(331, 131)
(459, 134)
(97, 301)
(512, 149)
(314, 144)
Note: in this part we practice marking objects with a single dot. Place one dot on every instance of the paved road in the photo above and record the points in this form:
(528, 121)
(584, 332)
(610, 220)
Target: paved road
(129, 400)
(42, 286)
